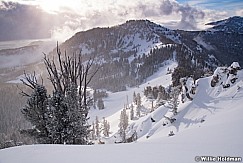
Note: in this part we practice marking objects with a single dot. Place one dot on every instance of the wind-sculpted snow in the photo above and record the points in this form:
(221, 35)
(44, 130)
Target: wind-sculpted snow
(209, 125)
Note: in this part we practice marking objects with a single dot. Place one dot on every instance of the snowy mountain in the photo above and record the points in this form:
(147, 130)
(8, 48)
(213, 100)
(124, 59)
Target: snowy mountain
(207, 125)
(230, 25)
(136, 49)
(131, 52)
(223, 41)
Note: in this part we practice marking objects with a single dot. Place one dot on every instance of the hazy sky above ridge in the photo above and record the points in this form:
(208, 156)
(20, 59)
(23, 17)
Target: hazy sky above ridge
(33, 19)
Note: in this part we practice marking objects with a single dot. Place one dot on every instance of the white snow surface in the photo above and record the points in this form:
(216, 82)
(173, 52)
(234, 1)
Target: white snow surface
(201, 42)
(209, 125)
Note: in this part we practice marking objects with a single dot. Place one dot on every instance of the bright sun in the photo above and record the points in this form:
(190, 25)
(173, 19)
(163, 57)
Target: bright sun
(75, 5)
(54, 6)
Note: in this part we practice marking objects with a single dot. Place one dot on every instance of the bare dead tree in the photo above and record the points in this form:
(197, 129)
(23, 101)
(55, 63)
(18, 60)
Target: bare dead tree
(71, 70)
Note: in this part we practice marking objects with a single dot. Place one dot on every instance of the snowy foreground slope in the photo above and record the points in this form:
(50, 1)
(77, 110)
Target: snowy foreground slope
(209, 125)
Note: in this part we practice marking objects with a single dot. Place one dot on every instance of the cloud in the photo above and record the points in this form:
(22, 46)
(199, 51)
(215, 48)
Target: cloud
(212, 15)
(167, 7)
(19, 21)
(84, 15)
(24, 56)
(239, 12)
(186, 16)
(189, 15)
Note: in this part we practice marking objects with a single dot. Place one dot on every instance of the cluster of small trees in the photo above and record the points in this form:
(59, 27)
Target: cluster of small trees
(158, 93)
(190, 63)
(171, 97)
(100, 127)
(153, 61)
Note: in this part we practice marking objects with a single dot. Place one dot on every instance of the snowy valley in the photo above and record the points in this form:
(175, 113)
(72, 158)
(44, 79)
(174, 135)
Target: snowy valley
(207, 125)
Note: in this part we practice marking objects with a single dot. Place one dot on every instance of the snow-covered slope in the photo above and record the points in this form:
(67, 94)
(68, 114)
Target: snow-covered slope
(208, 103)
(116, 101)
(208, 125)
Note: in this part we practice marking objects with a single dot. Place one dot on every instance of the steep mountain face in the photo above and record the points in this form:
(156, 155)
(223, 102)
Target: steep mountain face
(133, 51)
(130, 36)
(224, 40)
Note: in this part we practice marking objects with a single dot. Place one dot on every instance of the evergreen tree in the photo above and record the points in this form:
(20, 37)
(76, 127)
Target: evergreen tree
(123, 125)
(159, 99)
(132, 112)
(100, 104)
(106, 128)
(138, 109)
(35, 112)
(95, 96)
(173, 101)
(97, 127)
(57, 119)
(134, 98)
(92, 132)
(138, 99)
(155, 92)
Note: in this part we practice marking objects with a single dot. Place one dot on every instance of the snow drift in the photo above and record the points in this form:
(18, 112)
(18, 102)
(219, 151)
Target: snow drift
(207, 125)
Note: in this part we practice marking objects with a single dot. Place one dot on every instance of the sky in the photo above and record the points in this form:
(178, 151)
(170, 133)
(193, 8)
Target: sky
(34, 19)
(215, 4)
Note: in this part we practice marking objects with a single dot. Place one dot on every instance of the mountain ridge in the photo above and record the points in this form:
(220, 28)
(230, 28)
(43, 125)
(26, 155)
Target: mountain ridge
(232, 24)
(134, 50)
(138, 43)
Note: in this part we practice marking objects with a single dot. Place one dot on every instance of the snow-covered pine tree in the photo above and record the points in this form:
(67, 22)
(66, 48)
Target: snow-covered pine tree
(95, 96)
(62, 117)
(132, 112)
(139, 105)
(97, 127)
(35, 111)
(75, 122)
(92, 132)
(138, 99)
(173, 101)
(106, 128)
(123, 125)
(57, 119)
(100, 104)
(134, 98)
